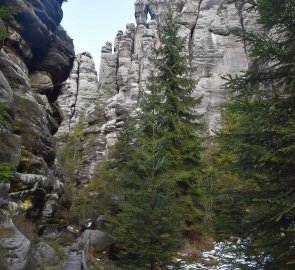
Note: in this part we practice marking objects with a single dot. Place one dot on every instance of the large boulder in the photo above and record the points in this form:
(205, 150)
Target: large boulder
(14, 246)
(41, 255)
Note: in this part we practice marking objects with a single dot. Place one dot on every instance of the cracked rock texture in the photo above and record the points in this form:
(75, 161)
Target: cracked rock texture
(34, 61)
(207, 27)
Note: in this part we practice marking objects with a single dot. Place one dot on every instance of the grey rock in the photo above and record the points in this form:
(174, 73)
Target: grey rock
(43, 17)
(13, 244)
(108, 47)
(99, 223)
(98, 240)
(52, 231)
(40, 256)
(35, 60)
(16, 43)
(57, 60)
(79, 94)
(206, 27)
(81, 103)
(47, 253)
(4, 194)
(41, 82)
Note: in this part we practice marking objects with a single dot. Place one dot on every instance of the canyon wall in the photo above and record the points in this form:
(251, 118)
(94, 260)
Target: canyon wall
(34, 61)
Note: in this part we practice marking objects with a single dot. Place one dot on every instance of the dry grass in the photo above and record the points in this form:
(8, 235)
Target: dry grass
(26, 227)
(195, 244)
(6, 232)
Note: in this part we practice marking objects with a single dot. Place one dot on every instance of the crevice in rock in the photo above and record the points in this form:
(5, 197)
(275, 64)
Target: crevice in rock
(191, 45)
(180, 6)
(149, 14)
(117, 69)
(77, 93)
(239, 7)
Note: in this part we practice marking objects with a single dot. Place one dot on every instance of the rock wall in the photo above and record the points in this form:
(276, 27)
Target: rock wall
(34, 61)
(80, 103)
(207, 27)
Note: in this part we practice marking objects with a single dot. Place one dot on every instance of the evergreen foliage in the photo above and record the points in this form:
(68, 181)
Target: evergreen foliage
(70, 154)
(6, 171)
(6, 14)
(259, 133)
(155, 164)
(180, 125)
(2, 107)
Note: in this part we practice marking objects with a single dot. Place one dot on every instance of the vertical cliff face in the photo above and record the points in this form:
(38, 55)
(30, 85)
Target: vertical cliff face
(80, 104)
(34, 61)
(207, 27)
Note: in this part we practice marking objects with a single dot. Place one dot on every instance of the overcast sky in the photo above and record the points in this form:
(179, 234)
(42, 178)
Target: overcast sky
(93, 22)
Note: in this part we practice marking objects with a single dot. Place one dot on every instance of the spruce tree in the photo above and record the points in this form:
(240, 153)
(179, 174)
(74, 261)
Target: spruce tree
(180, 124)
(155, 164)
(261, 136)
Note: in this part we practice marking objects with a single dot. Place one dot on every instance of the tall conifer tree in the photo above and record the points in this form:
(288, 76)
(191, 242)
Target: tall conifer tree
(261, 136)
(156, 161)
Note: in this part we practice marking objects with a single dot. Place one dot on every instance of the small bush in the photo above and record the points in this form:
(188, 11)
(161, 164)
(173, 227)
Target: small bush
(195, 245)
(6, 171)
(7, 14)
(66, 239)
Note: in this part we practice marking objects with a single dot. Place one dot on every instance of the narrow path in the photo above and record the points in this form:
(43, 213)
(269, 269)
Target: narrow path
(73, 262)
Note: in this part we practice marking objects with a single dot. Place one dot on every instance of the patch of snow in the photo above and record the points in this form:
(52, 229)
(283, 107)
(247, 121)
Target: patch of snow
(227, 255)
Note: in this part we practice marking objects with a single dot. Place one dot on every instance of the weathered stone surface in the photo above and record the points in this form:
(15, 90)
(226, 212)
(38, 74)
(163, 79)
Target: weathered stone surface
(206, 27)
(57, 60)
(40, 17)
(41, 82)
(40, 256)
(34, 61)
(98, 240)
(99, 223)
(4, 194)
(79, 94)
(14, 246)
(80, 103)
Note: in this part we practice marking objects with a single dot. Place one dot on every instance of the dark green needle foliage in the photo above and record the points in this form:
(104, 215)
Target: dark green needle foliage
(6, 14)
(262, 138)
(155, 164)
(180, 125)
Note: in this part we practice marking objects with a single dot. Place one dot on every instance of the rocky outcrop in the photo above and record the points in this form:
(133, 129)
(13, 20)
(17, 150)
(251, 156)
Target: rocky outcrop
(14, 246)
(34, 61)
(207, 27)
(79, 95)
(81, 104)
(96, 239)
(41, 256)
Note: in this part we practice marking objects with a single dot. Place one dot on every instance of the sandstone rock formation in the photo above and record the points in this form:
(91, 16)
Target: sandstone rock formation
(207, 28)
(13, 240)
(80, 103)
(34, 61)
